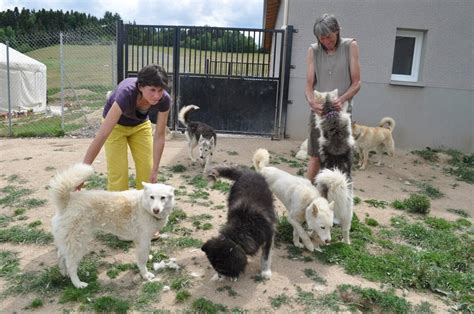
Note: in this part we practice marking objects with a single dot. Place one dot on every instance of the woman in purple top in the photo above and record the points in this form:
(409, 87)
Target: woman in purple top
(126, 124)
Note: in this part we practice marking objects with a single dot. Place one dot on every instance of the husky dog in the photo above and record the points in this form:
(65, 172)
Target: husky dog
(133, 215)
(336, 143)
(250, 224)
(198, 134)
(304, 202)
(374, 138)
(336, 188)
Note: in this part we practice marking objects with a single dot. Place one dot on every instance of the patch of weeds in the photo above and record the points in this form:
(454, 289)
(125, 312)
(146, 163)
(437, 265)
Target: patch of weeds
(314, 305)
(258, 278)
(438, 223)
(284, 230)
(397, 204)
(371, 300)
(47, 282)
(417, 203)
(427, 154)
(13, 195)
(462, 223)
(35, 223)
(98, 181)
(458, 211)
(178, 168)
(32, 203)
(72, 294)
(132, 183)
(230, 292)
(113, 242)
(116, 269)
(293, 163)
(108, 304)
(313, 275)
(182, 296)
(461, 166)
(219, 207)
(430, 191)
(180, 282)
(300, 172)
(184, 242)
(279, 300)
(19, 211)
(9, 264)
(198, 194)
(424, 307)
(232, 153)
(174, 218)
(356, 200)
(199, 182)
(150, 291)
(221, 186)
(49, 168)
(376, 203)
(35, 304)
(203, 305)
(202, 226)
(5, 220)
(371, 222)
(24, 234)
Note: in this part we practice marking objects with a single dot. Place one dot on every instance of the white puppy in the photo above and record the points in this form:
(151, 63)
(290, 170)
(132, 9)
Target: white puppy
(133, 215)
(302, 201)
(336, 188)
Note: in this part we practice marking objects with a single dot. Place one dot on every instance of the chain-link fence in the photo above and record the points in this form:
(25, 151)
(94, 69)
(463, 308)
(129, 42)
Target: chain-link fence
(55, 84)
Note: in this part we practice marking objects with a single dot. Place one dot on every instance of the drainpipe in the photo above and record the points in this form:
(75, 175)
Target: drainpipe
(285, 13)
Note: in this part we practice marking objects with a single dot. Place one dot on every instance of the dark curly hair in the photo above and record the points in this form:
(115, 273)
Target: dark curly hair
(152, 75)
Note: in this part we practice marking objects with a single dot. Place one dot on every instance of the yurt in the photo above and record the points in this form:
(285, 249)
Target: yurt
(27, 82)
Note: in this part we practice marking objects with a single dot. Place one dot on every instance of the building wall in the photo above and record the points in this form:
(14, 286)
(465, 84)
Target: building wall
(437, 111)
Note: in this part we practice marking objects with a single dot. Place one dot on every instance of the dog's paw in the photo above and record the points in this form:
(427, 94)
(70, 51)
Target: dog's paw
(266, 274)
(148, 276)
(318, 249)
(80, 285)
(298, 244)
(217, 277)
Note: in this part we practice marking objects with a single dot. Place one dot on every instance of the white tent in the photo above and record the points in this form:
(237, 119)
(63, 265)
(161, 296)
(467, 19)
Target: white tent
(27, 81)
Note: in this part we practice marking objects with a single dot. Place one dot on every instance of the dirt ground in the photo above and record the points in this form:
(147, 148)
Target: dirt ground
(36, 160)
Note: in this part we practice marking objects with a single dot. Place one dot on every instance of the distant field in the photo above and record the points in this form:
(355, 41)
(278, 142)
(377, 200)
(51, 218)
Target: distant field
(94, 65)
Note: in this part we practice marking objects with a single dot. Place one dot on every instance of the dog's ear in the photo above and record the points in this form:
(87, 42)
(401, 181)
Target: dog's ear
(315, 210)
(205, 247)
(331, 205)
(145, 184)
(200, 138)
(212, 141)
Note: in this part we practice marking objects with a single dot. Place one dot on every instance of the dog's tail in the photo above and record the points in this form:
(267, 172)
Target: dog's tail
(67, 181)
(389, 122)
(261, 159)
(334, 186)
(183, 113)
(230, 172)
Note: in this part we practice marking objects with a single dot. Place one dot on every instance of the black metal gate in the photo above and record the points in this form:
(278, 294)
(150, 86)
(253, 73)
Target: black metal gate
(237, 76)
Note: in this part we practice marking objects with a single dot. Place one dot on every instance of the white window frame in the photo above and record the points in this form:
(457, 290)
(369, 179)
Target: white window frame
(415, 67)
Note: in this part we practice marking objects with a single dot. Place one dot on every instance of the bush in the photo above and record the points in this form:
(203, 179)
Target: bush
(417, 203)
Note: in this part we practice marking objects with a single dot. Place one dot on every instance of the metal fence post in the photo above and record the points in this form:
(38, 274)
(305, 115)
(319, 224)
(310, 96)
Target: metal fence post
(288, 44)
(61, 62)
(112, 62)
(119, 34)
(10, 131)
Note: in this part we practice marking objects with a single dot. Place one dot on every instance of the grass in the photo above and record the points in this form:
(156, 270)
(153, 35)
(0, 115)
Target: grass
(279, 300)
(458, 211)
(9, 264)
(149, 292)
(376, 203)
(313, 275)
(430, 191)
(25, 235)
(203, 305)
(114, 242)
(415, 203)
(110, 304)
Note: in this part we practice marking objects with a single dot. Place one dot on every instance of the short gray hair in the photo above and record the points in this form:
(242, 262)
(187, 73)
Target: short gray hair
(325, 24)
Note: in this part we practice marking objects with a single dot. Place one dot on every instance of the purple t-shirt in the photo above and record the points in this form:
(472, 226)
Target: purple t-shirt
(126, 97)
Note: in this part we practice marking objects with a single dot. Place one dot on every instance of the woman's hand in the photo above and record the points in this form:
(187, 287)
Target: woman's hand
(338, 103)
(153, 177)
(316, 107)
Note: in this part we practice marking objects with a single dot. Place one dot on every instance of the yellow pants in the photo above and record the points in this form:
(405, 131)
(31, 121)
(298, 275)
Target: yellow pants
(140, 140)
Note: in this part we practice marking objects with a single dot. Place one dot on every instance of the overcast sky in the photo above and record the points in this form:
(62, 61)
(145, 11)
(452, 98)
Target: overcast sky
(224, 13)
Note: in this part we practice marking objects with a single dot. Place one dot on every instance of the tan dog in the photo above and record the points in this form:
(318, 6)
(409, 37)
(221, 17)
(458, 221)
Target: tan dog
(374, 138)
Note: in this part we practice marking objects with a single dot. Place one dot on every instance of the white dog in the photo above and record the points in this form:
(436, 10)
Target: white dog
(302, 201)
(334, 185)
(198, 134)
(131, 215)
(303, 151)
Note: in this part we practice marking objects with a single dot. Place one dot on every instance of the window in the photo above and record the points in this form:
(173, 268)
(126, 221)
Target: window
(407, 56)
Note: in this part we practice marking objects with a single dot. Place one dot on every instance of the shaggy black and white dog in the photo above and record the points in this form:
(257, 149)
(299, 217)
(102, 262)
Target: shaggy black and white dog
(250, 224)
(336, 144)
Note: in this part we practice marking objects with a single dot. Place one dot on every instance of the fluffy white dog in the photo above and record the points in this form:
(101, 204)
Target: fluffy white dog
(336, 188)
(302, 201)
(133, 215)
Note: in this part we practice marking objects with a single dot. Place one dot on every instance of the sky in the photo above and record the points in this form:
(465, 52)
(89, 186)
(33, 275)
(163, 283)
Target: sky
(223, 13)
